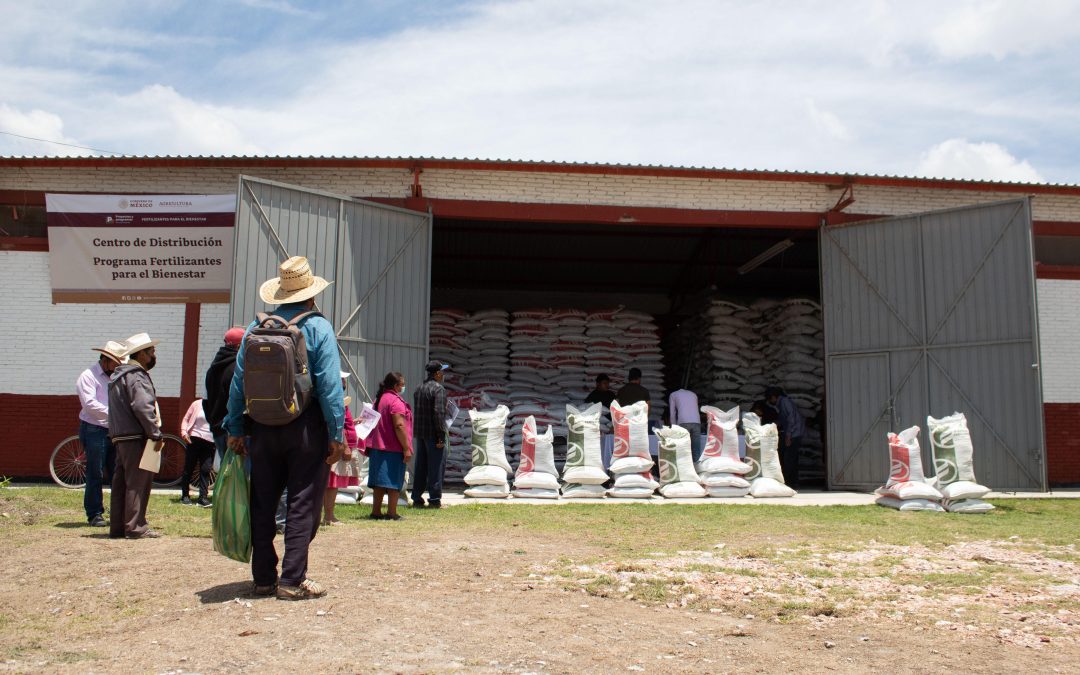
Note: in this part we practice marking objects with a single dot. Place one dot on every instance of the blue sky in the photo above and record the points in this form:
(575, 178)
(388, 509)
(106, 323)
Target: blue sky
(984, 89)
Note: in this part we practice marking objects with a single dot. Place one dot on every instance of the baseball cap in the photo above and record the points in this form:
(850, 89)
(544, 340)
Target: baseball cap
(234, 335)
(436, 366)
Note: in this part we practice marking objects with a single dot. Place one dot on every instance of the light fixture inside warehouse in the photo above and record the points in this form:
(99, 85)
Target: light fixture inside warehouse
(774, 250)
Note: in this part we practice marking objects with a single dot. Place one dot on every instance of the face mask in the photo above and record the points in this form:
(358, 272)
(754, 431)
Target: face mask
(153, 362)
(402, 392)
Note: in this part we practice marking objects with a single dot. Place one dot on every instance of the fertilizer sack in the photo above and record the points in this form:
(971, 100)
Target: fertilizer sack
(583, 460)
(488, 431)
(580, 491)
(490, 491)
(968, 506)
(678, 478)
(950, 445)
(537, 450)
(535, 493)
(761, 449)
(906, 479)
(721, 453)
(631, 449)
(909, 504)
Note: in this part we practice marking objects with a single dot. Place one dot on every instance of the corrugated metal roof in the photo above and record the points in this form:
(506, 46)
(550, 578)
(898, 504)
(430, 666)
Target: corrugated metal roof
(540, 165)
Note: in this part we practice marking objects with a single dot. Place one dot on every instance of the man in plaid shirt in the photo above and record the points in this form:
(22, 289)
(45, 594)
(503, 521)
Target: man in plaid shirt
(429, 430)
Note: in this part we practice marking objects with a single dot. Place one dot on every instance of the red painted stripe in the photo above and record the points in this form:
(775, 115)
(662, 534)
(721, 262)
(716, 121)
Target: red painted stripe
(1056, 228)
(37, 244)
(461, 209)
(1057, 271)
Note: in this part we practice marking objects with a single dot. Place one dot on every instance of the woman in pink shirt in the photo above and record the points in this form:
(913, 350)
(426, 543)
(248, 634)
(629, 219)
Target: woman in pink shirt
(389, 446)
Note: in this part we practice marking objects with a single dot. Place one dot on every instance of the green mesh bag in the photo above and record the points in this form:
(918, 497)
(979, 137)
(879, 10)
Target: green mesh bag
(231, 517)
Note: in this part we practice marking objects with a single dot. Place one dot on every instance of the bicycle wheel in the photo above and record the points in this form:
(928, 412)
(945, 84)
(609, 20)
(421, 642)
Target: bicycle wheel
(68, 464)
(172, 462)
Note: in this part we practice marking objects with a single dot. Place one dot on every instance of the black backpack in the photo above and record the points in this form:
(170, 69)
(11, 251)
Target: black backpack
(277, 382)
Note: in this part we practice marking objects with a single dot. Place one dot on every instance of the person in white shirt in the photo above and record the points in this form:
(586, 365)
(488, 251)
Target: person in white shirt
(92, 387)
(684, 412)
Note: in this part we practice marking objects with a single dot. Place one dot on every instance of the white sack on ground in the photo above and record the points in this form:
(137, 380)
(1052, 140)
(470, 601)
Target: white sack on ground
(630, 453)
(968, 506)
(584, 464)
(488, 432)
(721, 452)
(909, 504)
(678, 478)
(950, 444)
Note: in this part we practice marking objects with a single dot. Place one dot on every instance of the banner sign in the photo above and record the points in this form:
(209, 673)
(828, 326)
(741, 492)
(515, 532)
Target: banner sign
(140, 248)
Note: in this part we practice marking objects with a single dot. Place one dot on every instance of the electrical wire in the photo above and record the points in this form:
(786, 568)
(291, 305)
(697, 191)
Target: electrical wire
(70, 145)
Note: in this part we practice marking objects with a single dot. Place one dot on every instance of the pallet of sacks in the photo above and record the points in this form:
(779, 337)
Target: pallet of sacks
(765, 475)
(536, 475)
(953, 489)
(720, 468)
(583, 472)
(631, 463)
(488, 476)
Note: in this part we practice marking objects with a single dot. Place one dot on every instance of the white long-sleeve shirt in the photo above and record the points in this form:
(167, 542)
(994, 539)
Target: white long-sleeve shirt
(93, 390)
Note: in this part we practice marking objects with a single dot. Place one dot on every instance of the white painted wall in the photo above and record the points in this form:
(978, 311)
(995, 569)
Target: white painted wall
(46, 346)
(1059, 337)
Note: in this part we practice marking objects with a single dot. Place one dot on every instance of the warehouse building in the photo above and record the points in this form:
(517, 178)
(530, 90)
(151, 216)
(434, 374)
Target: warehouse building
(935, 295)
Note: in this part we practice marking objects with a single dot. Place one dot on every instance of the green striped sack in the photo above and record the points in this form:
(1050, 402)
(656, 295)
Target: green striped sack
(231, 517)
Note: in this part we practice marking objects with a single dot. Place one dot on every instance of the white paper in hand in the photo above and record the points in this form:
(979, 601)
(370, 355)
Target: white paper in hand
(452, 411)
(151, 457)
(369, 417)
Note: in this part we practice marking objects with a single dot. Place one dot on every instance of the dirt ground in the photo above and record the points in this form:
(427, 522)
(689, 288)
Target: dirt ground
(72, 600)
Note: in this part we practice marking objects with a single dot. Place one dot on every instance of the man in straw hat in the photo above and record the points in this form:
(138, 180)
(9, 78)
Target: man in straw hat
(93, 390)
(297, 455)
(134, 419)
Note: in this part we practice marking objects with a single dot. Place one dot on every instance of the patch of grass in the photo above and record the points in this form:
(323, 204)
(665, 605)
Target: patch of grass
(600, 586)
(792, 610)
(659, 590)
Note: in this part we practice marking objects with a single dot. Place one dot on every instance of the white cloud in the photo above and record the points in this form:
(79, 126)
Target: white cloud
(1000, 28)
(22, 127)
(827, 121)
(281, 6)
(959, 158)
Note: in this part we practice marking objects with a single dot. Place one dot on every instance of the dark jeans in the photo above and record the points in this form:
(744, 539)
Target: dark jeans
(292, 456)
(428, 468)
(789, 461)
(100, 461)
(200, 452)
(695, 440)
(130, 492)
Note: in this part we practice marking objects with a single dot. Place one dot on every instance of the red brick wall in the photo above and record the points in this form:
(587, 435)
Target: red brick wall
(35, 424)
(1062, 442)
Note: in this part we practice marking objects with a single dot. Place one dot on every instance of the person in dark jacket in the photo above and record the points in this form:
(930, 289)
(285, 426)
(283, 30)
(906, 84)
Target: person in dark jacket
(218, 380)
(134, 419)
(792, 427)
(429, 432)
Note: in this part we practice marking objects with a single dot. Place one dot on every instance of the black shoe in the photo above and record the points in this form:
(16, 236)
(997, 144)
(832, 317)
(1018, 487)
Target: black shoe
(99, 521)
(204, 502)
(376, 516)
(418, 503)
(434, 505)
(186, 501)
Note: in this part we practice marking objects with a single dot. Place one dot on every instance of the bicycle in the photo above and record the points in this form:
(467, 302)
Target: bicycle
(67, 465)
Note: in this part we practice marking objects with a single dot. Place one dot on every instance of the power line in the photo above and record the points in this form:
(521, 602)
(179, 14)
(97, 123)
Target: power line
(70, 145)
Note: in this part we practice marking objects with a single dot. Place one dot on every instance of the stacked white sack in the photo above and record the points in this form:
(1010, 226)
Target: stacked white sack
(536, 475)
(732, 351)
(630, 459)
(476, 347)
(765, 476)
(487, 478)
(907, 488)
(583, 471)
(678, 478)
(950, 444)
(720, 468)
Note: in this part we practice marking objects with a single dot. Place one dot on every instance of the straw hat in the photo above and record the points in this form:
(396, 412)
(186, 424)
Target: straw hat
(138, 342)
(114, 350)
(294, 283)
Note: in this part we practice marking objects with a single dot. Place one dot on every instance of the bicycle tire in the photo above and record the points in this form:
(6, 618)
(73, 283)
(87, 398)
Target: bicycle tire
(67, 464)
(172, 462)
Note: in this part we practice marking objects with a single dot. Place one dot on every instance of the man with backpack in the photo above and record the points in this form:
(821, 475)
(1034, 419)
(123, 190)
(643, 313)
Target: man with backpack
(287, 409)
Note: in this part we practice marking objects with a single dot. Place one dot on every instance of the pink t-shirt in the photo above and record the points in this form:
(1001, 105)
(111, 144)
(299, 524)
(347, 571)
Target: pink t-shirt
(382, 437)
